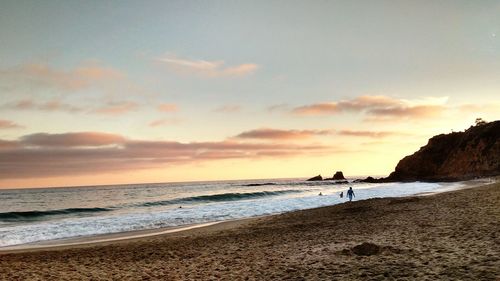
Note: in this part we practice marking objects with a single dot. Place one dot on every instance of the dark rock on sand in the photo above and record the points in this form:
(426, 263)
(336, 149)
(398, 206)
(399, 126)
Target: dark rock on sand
(456, 156)
(316, 178)
(366, 249)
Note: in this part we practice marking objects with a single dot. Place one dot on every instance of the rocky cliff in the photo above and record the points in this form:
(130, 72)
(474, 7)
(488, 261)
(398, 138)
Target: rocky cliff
(456, 156)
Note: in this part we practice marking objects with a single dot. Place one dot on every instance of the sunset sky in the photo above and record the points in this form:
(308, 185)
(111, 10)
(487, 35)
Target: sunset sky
(104, 92)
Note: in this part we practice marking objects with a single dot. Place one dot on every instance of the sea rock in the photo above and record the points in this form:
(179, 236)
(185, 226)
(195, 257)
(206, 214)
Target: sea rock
(455, 156)
(372, 180)
(338, 176)
(366, 249)
(316, 178)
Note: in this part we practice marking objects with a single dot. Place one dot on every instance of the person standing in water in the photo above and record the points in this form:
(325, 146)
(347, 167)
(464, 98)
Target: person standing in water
(350, 193)
(341, 194)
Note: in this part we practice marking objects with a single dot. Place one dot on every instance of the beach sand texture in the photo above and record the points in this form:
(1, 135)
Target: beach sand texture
(448, 236)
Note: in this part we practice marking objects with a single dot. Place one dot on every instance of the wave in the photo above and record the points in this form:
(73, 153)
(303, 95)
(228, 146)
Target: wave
(260, 184)
(30, 215)
(220, 197)
(35, 215)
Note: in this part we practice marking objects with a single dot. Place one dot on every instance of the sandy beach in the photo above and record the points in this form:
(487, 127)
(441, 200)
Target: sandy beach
(447, 236)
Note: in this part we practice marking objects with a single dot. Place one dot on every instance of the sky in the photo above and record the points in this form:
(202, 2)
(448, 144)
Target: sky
(114, 92)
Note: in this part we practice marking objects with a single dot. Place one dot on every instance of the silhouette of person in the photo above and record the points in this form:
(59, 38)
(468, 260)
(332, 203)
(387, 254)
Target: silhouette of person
(350, 193)
(342, 194)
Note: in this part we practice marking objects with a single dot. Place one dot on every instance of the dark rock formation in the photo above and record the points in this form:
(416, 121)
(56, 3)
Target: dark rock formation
(316, 178)
(373, 180)
(456, 156)
(366, 249)
(338, 176)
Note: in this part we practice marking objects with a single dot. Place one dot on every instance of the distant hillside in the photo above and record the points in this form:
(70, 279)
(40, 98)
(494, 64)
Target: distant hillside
(456, 156)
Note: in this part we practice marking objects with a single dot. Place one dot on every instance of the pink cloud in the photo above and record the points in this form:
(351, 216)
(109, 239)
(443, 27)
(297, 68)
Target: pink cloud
(371, 134)
(52, 105)
(207, 68)
(38, 76)
(117, 108)
(376, 107)
(317, 109)
(7, 124)
(4, 144)
(167, 107)
(419, 111)
(276, 134)
(164, 122)
(72, 139)
(43, 154)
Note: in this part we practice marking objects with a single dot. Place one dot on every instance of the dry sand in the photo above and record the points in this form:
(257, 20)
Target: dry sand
(447, 236)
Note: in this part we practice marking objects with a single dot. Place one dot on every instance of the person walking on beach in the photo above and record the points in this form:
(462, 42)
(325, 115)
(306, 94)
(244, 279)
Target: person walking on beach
(350, 193)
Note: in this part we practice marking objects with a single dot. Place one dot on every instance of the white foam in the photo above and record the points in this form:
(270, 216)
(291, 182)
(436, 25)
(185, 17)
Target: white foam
(201, 213)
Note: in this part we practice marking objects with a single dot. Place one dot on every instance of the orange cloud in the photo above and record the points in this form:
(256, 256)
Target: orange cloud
(371, 134)
(164, 122)
(52, 105)
(276, 134)
(207, 68)
(419, 111)
(6, 124)
(317, 109)
(43, 154)
(167, 107)
(376, 107)
(28, 77)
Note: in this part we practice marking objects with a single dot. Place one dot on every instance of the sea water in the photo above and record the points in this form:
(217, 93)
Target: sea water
(35, 215)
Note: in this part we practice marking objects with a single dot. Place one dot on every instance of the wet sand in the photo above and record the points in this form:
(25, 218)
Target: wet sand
(447, 236)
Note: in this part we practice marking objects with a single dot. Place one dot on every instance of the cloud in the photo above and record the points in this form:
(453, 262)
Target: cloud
(55, 105)
(377, 108)
(80, 139)
(317, 109)
(230, 108)
(277, 134)
(44, 154)
(51, 105)
(34, 77)
(164, 122)
(371, 134)
(419, 111)
(207, 68)
(6, 124)
(278, 107)
(117, 108)
(167, 107)
(4, 144)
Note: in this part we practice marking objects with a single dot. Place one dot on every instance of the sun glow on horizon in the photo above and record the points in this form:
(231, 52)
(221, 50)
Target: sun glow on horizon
(186, 91)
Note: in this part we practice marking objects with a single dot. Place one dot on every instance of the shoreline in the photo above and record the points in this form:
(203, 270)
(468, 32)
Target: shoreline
(110, 238)
(451, 235)
(124, 237)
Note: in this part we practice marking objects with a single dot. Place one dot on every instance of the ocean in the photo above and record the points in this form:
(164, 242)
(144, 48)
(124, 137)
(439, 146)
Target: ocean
(46, 214)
